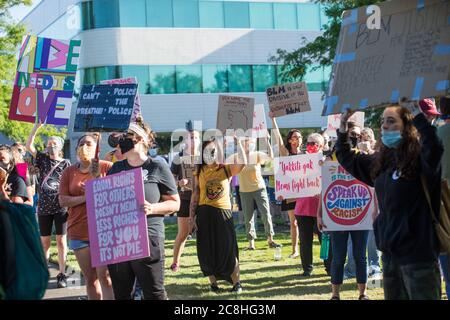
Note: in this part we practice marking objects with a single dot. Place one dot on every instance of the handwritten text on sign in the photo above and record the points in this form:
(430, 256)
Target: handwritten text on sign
(117, 227)
(298, 176)
(235, 113)
(259, 121)
(288, 99)
(334, 122)
(347, 204)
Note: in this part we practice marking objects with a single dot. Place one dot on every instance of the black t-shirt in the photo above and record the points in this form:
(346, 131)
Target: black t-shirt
(16, 187)
(48, 192)
(178, 172)
(158, 181)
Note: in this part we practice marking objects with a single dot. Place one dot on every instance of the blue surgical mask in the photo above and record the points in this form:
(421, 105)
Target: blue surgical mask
(391, 139)
(153, 153)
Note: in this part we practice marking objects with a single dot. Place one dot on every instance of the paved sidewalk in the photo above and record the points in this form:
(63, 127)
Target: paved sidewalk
(74, 291)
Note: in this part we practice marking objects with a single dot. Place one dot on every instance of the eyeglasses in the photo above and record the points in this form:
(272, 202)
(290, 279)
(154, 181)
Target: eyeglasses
(312, 143)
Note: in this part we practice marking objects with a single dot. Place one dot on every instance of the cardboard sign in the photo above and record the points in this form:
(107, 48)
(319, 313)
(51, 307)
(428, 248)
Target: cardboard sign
(298, 176)
(259, 122)
(105, 108)
(45, 79)
(347, 203)
(334, 122)
(288, 99)
(235, 113)
(187, 170)
(117, 226)
(137, 100)
(408, 56)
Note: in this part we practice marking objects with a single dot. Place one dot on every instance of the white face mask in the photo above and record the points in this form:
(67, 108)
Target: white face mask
(364, 146)
(208, 157)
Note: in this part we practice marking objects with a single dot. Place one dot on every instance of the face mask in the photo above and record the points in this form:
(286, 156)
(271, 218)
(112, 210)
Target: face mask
(354, 141)
(126, 145)
(312, 148)
(153, 153)
(391, 139)
(251, 147)
(85, 153)
(209, 157)
(364, 146)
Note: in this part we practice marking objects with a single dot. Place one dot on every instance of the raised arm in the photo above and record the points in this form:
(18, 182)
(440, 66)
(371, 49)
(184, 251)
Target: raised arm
(241, 160)
(30, 142)
(277, 135)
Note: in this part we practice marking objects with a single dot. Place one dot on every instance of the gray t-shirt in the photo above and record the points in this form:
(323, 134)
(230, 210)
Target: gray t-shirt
(444, 134)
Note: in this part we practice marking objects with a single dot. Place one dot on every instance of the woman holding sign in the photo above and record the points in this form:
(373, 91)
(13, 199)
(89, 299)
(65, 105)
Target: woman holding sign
(292, 147)
(211, 214)
(161, 198)
(72, 195)
(407, 164)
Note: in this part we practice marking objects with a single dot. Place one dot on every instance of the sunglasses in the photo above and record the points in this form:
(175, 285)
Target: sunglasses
(312, 143)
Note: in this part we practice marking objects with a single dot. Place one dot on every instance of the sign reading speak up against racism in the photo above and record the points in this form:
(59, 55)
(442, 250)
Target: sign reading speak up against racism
(117, 226)
(137, 100)
(334, 121)
(105, 108)
(259, 122)
(298, 176)
(347, 203)
(288, 99)
(235, 113)
(45, 79)
(406, 55)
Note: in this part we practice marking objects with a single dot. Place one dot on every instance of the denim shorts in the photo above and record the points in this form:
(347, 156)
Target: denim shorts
(78, 244)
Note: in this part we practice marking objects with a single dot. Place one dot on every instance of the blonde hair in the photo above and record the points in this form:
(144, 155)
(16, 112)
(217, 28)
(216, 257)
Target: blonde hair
(317, 137)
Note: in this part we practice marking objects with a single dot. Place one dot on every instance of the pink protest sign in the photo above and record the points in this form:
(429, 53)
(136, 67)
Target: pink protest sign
(117, 227)
(298, 176)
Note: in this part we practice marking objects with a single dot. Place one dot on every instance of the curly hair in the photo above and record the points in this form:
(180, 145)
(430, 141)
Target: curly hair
(405, 158)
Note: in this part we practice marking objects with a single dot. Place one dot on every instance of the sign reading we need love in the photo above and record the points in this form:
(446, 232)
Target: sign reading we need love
(298, 176)
(117, 226)
(347, 203)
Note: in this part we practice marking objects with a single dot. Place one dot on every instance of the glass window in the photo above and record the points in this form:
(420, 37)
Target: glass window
(89, 76)
(162, 79)
(285, 16)
(185, 13)
(261, 15)
(189, 79)
(106, 73)
(106, 13)
(314, 76)
(236, 15)
(264, 76)
(87, 15)
(308, 16)
(132, 13)
(142, 75)
(159, 13)
(215, 78)
(324, 19)
(240, 78)
(211, 14)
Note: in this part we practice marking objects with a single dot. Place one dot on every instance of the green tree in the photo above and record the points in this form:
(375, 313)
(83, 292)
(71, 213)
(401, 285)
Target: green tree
(11, 36)
(320, 53)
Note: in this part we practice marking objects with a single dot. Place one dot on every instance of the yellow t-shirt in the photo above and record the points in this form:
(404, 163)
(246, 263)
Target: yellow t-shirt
(250, 178)
(214, 187)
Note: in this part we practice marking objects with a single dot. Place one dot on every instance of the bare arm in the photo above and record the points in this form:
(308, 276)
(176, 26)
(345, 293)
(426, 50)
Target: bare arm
(71, 201)
(170, 203)
(30, 142)
(277, 135)
(241, 160)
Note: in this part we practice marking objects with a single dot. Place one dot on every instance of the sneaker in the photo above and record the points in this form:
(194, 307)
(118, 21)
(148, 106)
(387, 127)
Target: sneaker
(306, 274)
(294, 255)
(237, 288)
(215, 288)
(363, 297)
(61, 280)
(189, 237)
(273, 245)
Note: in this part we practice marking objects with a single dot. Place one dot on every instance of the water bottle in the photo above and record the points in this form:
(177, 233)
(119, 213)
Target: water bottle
(325, 247)
(277, 254)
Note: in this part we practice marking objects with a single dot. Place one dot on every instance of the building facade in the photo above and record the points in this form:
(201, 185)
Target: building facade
(185, 53)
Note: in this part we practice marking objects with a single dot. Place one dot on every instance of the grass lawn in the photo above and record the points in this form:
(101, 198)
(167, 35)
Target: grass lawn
(262, 277)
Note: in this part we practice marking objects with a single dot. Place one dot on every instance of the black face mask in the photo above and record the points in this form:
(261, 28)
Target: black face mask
(354, 141)
(113, 140)
(126, 144)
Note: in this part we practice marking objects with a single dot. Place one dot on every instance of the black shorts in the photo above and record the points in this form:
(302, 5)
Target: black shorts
(184, 209)
(46, 224)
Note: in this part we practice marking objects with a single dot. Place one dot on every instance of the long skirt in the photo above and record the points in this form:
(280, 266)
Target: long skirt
(217, 247)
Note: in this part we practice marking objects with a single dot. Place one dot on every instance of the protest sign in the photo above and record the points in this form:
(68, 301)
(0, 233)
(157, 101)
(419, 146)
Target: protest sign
(298, 176)
(235, 113)
(259, 122)
(334, 121)
(117, 226)
(347, 203)
(137, 100)
(45, 79)
(406, 55)
(105, 108)
(288, 99)
(187, 170)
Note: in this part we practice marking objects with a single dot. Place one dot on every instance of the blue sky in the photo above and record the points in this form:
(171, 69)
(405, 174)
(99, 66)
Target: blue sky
(21, 11)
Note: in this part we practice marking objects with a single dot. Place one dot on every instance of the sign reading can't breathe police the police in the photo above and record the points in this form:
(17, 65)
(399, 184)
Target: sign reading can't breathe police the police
(105, 108)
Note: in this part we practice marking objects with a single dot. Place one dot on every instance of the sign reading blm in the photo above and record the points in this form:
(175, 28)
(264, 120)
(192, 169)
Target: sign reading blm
(288, 99)
(105, 108)
(406, 53)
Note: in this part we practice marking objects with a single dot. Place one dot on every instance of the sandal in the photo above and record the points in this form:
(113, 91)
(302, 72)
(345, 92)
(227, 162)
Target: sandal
(273, 245)
(294, 255)
(363, 297)
(175, 267)
(249, 249)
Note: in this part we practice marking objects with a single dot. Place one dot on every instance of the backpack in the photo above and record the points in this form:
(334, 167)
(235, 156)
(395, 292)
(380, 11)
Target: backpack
(23, 270)
(441, 225)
